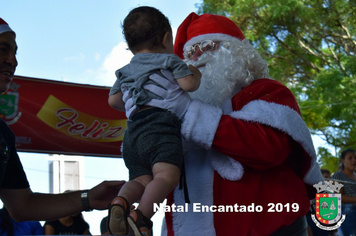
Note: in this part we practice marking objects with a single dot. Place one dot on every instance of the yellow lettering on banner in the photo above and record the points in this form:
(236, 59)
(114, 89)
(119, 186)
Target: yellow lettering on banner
(71, 122)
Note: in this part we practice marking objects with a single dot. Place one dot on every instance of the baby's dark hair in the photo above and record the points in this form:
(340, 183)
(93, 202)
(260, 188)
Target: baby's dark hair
(145, 27)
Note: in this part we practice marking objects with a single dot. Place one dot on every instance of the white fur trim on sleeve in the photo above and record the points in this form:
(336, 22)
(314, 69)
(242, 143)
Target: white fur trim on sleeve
(287, 120)
(200, 123)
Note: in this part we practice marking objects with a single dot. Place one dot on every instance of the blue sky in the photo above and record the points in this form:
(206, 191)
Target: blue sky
(78, 41)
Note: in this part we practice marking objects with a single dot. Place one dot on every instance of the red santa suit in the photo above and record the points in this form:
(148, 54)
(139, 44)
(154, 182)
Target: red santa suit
(251, 165)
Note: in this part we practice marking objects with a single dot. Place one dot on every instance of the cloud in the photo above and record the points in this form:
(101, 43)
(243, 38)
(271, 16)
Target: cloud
(117, 58)
(97, 56)
(79, 57)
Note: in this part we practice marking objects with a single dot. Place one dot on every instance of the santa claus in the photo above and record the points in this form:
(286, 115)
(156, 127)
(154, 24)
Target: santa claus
(249, 158)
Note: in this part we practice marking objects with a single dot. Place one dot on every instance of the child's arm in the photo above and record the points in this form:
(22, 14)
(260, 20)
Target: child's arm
(115, 101)
(190, 83)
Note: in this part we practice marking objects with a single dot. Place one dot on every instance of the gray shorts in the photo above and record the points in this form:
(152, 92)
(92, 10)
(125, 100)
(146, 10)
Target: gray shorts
(152, 136)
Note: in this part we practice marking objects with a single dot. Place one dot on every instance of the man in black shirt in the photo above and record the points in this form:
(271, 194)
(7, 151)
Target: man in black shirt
(15, 191)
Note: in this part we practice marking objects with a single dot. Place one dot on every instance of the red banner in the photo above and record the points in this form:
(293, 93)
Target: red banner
(62, 118)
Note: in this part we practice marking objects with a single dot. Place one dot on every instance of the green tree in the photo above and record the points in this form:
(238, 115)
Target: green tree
(327, 160)
(310, 46)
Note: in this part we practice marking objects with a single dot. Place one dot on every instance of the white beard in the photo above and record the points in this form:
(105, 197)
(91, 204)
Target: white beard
(225, 73)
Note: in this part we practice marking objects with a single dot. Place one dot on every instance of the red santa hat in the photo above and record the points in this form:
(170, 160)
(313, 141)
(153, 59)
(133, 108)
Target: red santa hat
(4, 27)
(195, 29)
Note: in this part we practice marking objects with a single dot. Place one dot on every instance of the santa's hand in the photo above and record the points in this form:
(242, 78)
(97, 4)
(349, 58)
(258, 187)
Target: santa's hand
(173, 97)
(130, 106)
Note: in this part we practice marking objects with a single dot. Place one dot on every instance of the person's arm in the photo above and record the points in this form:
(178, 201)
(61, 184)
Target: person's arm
(191, 82)
(236, 138)
(252, 121)
(23, 204)
(48, 230)
(116, 102)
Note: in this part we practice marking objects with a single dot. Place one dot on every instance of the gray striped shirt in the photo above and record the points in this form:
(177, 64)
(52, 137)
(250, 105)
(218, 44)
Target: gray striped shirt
(349, 184)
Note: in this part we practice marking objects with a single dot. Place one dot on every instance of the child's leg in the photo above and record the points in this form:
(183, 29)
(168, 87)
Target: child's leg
(120, 206)
(132, 191)
(165, 179)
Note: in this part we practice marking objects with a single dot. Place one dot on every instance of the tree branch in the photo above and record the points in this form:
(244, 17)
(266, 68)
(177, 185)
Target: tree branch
(294, 52)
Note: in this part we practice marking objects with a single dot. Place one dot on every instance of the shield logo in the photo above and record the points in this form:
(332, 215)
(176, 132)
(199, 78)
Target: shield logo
(9, 107)
(328, 208)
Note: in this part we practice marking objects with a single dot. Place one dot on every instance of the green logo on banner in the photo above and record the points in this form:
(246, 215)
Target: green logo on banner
(7, 104)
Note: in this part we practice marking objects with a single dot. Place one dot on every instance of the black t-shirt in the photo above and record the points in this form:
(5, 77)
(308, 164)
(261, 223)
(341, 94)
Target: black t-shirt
(12, 174)
(103, 225)
(77, 228)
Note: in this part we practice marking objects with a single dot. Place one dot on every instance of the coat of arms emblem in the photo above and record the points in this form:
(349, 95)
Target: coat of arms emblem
(9, 103)
(328, 214)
